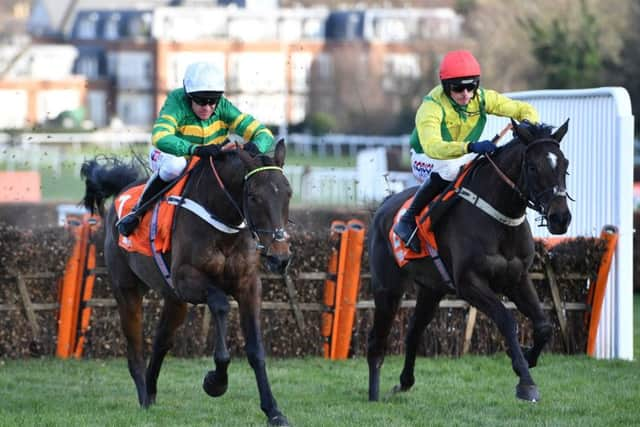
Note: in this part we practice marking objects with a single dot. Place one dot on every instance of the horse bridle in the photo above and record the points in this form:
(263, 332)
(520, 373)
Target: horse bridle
(277, 234)
(533, 201)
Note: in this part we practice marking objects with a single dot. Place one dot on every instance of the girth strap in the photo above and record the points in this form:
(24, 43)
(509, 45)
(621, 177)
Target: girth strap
(485, 207)
(157, 256)
(205, 215)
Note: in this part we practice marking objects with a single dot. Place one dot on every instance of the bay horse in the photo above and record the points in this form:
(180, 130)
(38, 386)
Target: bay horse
(486, 247)
(249, 194)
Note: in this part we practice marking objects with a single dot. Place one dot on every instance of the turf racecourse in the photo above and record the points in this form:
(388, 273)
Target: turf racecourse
(472, 390)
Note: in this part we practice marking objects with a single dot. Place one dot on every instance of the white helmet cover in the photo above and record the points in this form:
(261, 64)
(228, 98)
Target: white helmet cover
(203, 77)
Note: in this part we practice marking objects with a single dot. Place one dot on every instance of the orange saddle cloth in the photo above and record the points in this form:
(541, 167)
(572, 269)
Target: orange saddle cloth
(140, 240)
(401, 252)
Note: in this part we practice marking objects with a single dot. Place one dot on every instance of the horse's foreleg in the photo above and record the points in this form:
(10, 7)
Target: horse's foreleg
(130, 310)
(387, 304)
(527, 301)
(172, 316)
(216, 382)
(249, 307)
(482, 297)
(426, 307)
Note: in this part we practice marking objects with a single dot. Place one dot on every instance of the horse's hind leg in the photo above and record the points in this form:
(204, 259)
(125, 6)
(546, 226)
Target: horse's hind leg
(426, 307)
(215, 382)
(527, 301)
(387, 304)
(173, 315)
(249, 307)
(130, 308)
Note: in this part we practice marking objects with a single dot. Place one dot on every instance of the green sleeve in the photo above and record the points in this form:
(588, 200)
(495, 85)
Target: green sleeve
(246, 126)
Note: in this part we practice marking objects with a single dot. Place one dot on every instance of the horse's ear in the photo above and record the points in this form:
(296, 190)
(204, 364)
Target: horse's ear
(521, 132)
(280, 152)
(561, 132)
(246, 158)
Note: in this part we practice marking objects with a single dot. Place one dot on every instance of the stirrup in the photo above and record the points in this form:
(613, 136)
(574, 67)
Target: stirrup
(127, 224)
(413, 242)
(409, 235)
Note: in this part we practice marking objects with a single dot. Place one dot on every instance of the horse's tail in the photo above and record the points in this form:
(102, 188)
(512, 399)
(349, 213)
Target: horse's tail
(105, 177)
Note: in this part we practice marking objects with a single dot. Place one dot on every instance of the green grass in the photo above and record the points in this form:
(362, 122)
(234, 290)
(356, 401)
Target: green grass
(472, 390)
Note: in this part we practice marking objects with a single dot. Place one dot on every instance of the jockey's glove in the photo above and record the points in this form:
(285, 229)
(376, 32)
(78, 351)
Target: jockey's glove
(211, 150)
(481, 147)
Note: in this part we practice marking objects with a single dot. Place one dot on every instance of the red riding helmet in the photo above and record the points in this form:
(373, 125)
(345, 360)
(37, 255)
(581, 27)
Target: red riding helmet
(459, 63)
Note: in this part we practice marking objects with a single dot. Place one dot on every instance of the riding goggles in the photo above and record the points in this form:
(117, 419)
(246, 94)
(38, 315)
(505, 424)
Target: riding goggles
(202, 101)
(459, 87)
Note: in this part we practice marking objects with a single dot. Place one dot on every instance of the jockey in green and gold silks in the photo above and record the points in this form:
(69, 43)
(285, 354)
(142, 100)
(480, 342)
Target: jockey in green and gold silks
(178, 131)
(193, 121)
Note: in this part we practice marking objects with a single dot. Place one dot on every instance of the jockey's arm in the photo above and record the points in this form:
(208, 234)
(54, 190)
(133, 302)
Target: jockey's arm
(163, 134)
(245, 125)
(500, 105)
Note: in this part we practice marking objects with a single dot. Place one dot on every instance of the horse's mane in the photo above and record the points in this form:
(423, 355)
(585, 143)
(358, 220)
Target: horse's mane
(537, 130)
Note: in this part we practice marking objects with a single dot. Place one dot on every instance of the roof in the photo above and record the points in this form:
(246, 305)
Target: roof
(48, 15)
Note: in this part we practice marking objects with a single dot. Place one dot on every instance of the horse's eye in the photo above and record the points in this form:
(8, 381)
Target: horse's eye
(531, 168)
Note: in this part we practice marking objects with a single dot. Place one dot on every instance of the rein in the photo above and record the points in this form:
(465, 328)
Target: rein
(532, 201)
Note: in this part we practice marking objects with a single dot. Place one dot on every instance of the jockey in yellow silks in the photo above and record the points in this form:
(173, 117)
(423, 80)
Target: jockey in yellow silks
(448, 126)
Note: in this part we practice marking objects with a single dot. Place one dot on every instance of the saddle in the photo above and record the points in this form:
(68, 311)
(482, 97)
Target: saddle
(156, 223)
(426, 221)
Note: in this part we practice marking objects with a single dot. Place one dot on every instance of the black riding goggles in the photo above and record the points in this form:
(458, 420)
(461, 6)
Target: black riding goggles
(459, 87)
(202, 101)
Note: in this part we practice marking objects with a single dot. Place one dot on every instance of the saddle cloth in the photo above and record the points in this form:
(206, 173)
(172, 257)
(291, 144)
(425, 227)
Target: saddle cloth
(140, 240)
(401, 252)
(440, 204)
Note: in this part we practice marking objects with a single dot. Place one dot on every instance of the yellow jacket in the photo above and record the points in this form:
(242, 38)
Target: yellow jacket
(444, 129)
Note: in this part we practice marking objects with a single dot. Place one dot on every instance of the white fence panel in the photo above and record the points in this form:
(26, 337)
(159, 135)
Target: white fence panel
(600, 148)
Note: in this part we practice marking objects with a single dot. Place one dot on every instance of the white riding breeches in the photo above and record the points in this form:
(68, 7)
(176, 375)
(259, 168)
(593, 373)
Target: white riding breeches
(423, 166)
(168, 166)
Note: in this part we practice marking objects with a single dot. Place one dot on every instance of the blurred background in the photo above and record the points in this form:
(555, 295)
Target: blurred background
(341, 80)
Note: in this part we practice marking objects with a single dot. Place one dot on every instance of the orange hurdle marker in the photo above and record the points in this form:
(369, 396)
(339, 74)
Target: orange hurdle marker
(88, 280)
(348, 288)
(70, 295)
(330, 284)
(595, 297)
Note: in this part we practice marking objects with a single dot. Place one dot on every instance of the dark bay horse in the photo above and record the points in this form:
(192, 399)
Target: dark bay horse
(248, 194)
(486, 247)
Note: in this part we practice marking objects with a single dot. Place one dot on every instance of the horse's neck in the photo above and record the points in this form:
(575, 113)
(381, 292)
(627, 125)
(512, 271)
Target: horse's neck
(219, 191)
(494, 189)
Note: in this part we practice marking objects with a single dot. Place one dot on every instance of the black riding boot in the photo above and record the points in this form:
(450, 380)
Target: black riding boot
(406, 226)
(128, 223)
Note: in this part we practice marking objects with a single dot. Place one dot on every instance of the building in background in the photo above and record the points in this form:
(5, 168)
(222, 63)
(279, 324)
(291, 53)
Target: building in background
(282, 64)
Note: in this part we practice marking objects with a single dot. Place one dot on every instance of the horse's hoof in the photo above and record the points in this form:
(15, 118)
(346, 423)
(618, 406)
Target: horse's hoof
(278, 420)
(527, 392)
(213, 386)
